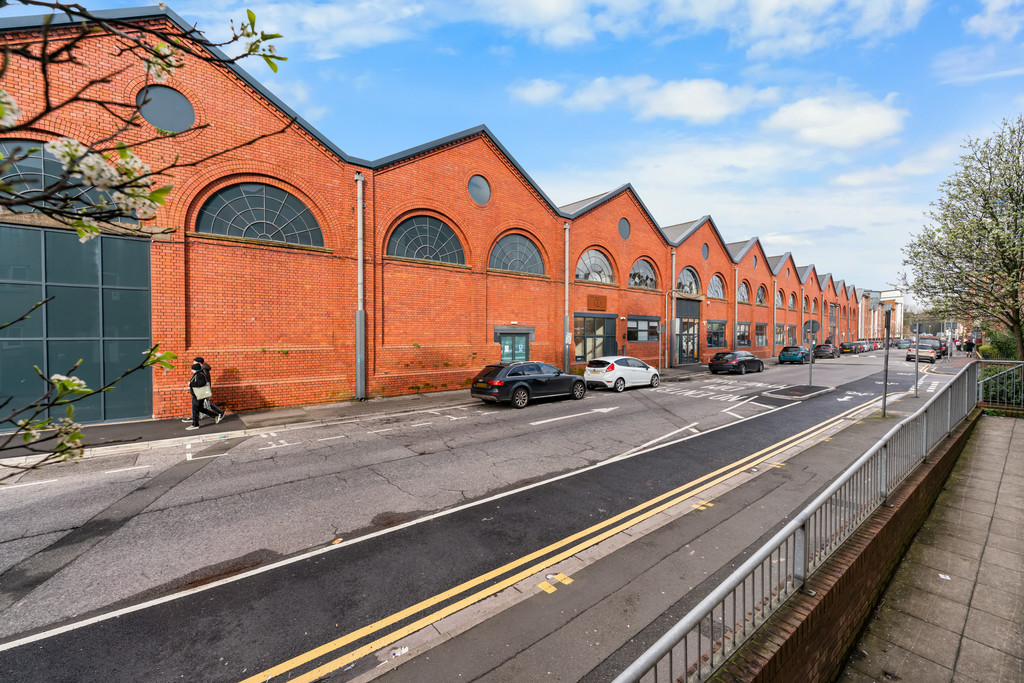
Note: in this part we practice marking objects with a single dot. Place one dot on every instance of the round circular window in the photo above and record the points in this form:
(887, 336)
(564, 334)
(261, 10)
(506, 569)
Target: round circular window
(479, 189)
(165, 108)
(704, 251)
(623, 228)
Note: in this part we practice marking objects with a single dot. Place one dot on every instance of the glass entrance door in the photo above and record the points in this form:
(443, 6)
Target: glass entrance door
(689, 339)
(515, 347)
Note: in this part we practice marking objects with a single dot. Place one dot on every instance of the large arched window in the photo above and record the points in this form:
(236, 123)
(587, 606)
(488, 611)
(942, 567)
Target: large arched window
(762, 296)
(517, 253)
(426, 239)
(805, 304)
(743, 295)
(688, 282)
(792, 301)
(259, 212)
(814, 306)
(594, 266)
(780, 301)
(716, 288)
(28, 177)
(642, 275)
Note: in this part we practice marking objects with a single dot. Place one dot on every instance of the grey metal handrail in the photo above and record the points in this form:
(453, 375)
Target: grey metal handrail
(705, 638)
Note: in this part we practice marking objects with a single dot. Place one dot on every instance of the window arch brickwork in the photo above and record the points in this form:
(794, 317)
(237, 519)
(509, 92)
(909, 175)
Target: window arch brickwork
(594, 266)
(261, 212)
(516, 253)
(642, 275)
(425, 238)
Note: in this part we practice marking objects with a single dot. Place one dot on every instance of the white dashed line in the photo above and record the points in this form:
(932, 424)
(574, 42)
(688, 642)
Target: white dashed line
(127, 469)
(31, 483)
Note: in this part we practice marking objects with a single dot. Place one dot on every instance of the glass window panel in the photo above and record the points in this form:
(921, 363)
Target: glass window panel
(716, 288)
(70, 261)
(165, 108)
(594, 266)
(126, 313)
(258, 211)
(18, 379)
(133, 395)
(74, 312)
(62, 356)
(642, 275)
(15, 300)
(21, 257)
(125, 262)
(479, 189)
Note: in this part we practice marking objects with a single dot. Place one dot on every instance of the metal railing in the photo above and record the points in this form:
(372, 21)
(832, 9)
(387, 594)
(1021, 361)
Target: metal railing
(1001, 384)
(704, 639)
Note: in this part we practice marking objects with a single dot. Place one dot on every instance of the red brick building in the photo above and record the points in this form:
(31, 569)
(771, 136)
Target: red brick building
(297, 292)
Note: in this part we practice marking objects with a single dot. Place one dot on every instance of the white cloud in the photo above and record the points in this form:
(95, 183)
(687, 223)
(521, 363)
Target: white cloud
(773, 28)
(1000, 18)
(966, 66)
(701, 101)
(939, 158)
(297, 95)
(536, 92)
(844, 121)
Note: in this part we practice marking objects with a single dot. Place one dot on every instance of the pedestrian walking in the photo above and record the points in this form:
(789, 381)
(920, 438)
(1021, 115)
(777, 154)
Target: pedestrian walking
(208, 402)
(969, 347)
(199, 389)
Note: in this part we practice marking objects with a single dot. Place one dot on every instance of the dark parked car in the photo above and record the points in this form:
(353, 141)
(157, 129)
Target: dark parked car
(735, 361)
(522, 381)
(848, 347)
(794, 354)
(940, 342)
(827, 351)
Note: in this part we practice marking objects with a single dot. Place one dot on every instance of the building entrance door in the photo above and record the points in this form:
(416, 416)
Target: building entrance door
(515, 347)
(688, 339)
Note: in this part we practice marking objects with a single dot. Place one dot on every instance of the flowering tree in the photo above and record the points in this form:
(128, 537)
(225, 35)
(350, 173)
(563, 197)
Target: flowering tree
(969, 263)
(104, 182)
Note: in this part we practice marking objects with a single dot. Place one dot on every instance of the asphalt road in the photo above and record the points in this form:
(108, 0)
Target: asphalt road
(388, 579)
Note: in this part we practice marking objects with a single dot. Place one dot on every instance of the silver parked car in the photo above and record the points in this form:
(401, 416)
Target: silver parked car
(619, 372)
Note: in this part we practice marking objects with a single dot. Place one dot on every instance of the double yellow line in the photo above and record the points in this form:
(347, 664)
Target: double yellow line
(569, 546)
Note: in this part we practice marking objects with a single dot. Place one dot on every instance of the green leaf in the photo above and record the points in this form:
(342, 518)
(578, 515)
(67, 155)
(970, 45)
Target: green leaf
(252, 18)
(159, 195)
(270, 62)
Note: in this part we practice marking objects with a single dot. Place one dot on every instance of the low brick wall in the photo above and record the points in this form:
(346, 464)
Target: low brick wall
(809, 637)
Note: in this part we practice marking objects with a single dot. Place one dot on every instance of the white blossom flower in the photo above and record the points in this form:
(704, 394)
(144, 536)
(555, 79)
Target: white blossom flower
(67, 150)
(164, 60)
(9, 111)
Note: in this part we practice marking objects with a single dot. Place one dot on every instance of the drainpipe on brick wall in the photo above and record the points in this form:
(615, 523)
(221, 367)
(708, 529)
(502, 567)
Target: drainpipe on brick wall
(735, 306)
(670, 319)
(802, 321)
(566, 330)
(360, 311)
(775, 313)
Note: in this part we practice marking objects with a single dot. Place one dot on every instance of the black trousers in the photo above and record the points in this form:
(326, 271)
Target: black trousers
(199, 407)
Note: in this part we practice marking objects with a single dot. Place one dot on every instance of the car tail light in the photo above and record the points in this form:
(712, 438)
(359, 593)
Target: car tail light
(731, 361)
(496, 383)
(611, 366)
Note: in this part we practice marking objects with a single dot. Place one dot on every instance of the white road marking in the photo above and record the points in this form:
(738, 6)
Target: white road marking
(277, 445)
(381, 431)
(31, 483)
(329, 438)
(421, 424)
(566, 417)
(127, 469)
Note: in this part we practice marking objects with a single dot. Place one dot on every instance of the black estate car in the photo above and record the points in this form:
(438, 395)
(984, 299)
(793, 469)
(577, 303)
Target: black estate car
(522, 381)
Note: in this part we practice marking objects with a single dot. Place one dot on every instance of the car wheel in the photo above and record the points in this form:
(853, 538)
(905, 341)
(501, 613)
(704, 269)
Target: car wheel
(742, 369)
(714, 372)
(520, 397)
(801, 360)
(579, 390)
(655, 380)
(620, 385)
(760, 367)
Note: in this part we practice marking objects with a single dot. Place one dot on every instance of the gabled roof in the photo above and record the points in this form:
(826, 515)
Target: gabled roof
(29, 23)
(469, 133)
(677, 234)
(776, 262)
(804, 272)
(823, 280)
(583, 204)
(737, 250)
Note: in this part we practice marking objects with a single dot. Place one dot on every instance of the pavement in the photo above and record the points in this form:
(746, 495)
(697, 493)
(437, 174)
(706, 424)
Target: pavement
(954, 611)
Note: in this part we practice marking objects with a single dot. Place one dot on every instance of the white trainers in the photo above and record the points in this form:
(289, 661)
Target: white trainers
(190, 427)
(219, 418)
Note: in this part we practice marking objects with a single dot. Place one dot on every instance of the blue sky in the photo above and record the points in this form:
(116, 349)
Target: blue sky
(823, 127)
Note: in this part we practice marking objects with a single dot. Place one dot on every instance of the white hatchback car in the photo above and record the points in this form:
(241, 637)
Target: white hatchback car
(619, 372)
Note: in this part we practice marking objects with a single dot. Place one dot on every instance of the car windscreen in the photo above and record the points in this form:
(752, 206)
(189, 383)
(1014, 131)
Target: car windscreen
(723, 355)
(791, 349)
(598, 364)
